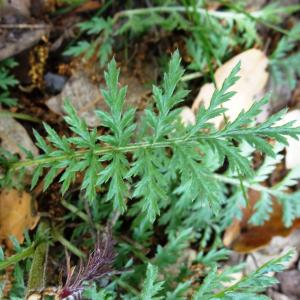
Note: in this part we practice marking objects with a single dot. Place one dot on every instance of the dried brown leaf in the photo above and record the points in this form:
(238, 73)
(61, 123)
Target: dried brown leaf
(243, 237)
(16, 215)
(250, 86)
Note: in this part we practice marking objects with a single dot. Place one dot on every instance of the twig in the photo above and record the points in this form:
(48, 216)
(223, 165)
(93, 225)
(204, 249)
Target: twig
(191, 76)
(24, 26)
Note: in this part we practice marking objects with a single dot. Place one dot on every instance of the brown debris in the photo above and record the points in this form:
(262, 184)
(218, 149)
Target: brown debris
(243, 237)
(27, 39)
(250, 86)
(16, 215)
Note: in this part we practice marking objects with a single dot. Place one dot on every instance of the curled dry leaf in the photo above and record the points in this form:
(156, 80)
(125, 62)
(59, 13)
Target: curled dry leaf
(250, 86)
(88, 6)
(16, 215)
(243, 237)
(292, 158)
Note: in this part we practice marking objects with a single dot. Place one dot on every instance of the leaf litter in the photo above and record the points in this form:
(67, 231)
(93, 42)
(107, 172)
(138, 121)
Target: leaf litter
(17, 214)
(249, 88)
(243, 237)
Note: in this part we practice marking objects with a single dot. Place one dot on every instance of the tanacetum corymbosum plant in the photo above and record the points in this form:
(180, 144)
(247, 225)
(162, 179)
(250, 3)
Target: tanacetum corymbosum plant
(167, 158)
(157, 169)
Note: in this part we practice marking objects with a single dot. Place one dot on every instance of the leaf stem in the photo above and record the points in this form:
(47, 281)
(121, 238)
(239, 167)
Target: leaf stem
(169, 9)
(250, 185)
(12, 260)
(191, 76)
(41, 160)
(20, 116)
(57, 236)
(127, 287)
(135, 248)
(237, 14)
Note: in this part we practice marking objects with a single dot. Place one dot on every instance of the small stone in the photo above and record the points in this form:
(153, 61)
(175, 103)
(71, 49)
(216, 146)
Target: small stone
(13, 135)
(84, 95)
(54, 83)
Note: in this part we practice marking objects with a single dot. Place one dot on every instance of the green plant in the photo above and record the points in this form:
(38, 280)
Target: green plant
(7, 81)
(248, 287)
(22, 261)
(212, 35)
(149, 167)
(284, 60)
(160, 172)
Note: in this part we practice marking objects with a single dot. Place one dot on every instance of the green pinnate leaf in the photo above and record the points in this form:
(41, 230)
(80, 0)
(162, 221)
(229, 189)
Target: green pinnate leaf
(151, 287)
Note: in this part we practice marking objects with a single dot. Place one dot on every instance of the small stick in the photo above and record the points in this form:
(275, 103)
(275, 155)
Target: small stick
(24, 26)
